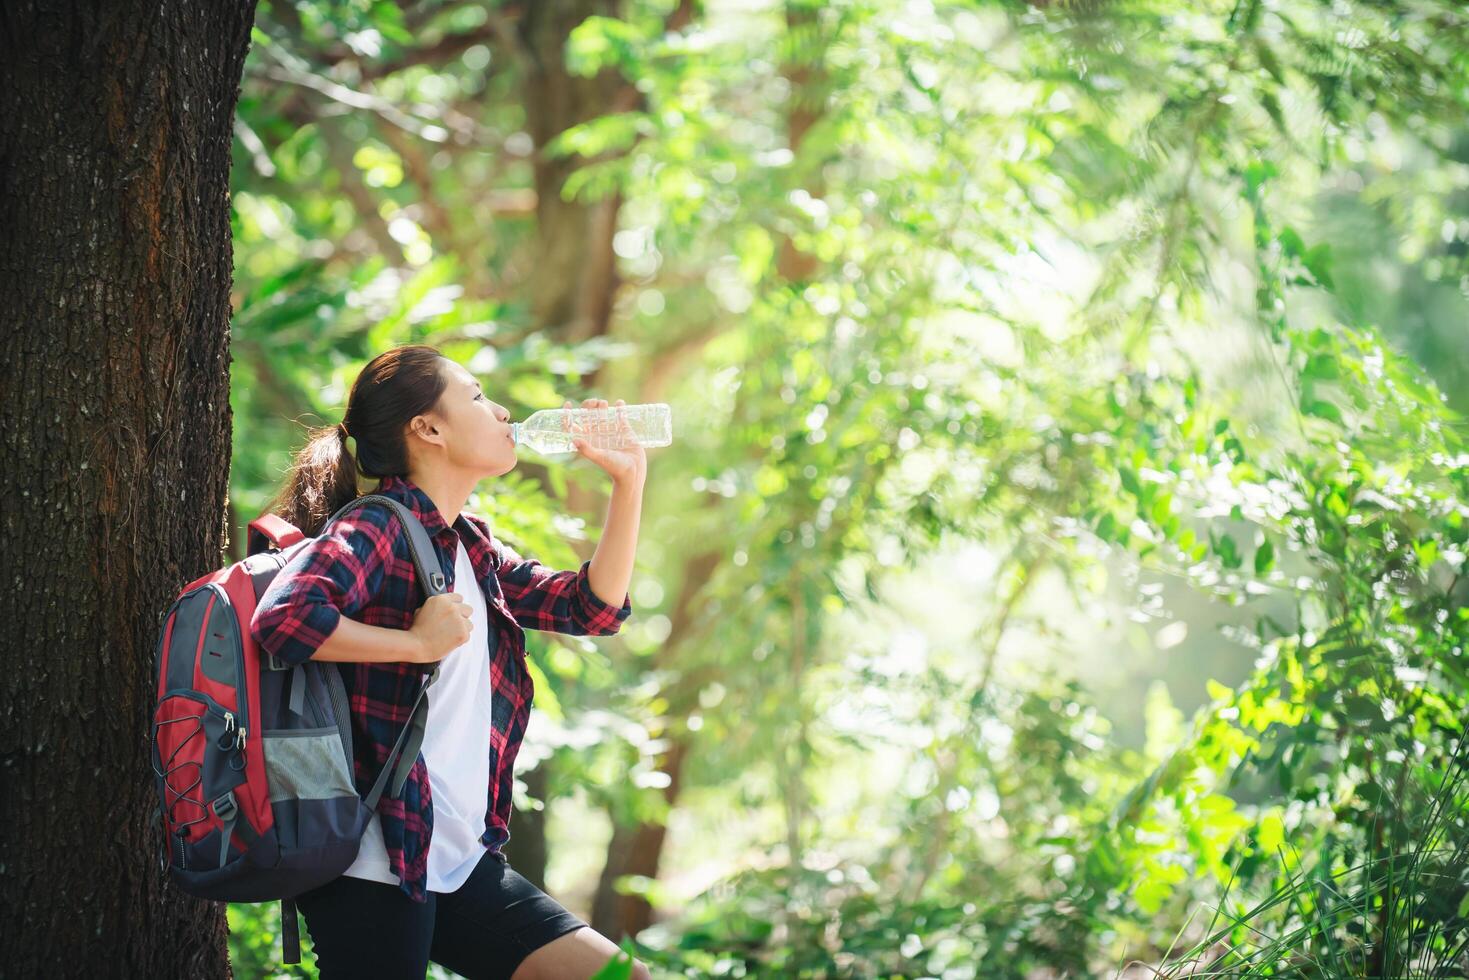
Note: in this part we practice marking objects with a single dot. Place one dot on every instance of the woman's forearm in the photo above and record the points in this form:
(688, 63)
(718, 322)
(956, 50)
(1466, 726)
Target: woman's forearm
(610, 573)
(356, 642)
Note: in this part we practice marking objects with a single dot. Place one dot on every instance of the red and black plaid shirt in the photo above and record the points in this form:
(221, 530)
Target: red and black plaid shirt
(361, 567)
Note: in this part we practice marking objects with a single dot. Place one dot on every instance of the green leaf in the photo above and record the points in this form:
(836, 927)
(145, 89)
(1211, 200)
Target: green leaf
(618, 967)
(1269, 61)
(1162, 509)
(1322, 366)
(1318, 260)
(557, 477)
(1264, 557)
(599, 42)
(597, 136)
(1129, 481)
(1361, 709)
(1291, 242)
(1271, 833)
(1374, 795)
(1322, 409)
(1257, 173)
(1150, 894)
(1227, 551)
(534, 392)
(1343, 653)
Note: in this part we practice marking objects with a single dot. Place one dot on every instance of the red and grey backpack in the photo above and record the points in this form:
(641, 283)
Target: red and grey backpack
(252, 758)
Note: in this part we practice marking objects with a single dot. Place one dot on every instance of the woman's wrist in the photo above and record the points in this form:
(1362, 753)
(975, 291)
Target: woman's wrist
(418, 647)
(629, 484)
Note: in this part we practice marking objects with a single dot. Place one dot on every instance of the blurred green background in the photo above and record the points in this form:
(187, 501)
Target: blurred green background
(1056, 571)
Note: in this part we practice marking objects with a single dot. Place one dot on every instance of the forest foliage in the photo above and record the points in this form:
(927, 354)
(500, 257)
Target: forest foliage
(1095, 295)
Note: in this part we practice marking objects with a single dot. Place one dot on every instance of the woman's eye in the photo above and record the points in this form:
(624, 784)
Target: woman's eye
(480, 397)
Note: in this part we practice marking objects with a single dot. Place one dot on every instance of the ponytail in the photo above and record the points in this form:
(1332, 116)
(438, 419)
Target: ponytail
(322, 480)
(394, 387)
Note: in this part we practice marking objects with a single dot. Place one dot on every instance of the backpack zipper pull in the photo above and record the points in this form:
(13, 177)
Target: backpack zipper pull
(229, 720)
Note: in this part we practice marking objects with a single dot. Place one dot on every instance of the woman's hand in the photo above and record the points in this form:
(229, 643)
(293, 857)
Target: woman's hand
(626, 465)
(441, 626)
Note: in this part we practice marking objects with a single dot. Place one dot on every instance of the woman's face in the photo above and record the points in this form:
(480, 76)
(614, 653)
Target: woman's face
(474, 432)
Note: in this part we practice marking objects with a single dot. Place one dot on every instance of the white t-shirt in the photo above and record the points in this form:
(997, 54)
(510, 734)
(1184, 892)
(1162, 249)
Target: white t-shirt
(456, 749)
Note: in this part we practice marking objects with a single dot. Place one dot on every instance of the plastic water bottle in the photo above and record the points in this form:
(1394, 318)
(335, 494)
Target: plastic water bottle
(551, 430)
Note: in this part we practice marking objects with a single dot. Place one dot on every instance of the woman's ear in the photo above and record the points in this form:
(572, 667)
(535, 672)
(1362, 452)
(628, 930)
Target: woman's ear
(421, 426)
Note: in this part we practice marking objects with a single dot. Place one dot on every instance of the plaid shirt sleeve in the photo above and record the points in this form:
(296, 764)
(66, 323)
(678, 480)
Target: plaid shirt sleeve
(331, 576)
(558, 602)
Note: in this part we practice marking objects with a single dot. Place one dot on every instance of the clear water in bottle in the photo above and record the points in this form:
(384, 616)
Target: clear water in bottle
(551, 430)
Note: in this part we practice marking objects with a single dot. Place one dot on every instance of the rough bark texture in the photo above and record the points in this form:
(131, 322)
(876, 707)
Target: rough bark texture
(115, 265)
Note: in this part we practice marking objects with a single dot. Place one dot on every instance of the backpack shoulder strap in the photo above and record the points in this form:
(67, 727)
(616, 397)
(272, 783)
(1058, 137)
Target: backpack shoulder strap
(431, 575)
(425, 559)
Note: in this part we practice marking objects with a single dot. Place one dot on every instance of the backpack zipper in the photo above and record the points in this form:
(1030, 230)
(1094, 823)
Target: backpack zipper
(213, 707)
(242, 684)
(229, 723)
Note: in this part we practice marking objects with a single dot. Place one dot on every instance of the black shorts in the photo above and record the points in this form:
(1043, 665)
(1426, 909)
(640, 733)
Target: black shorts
(482, 931)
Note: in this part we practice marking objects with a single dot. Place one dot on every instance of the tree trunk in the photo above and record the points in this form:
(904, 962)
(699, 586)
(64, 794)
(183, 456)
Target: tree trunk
(809, 92)
(531, 853)
(575, 272)
(638, 850)
(574, 275)
(574, 280)
(115, 264)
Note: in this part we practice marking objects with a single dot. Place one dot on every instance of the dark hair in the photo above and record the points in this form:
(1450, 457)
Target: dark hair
(394, 387)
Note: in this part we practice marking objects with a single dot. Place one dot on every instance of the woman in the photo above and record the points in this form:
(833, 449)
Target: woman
(431, 881)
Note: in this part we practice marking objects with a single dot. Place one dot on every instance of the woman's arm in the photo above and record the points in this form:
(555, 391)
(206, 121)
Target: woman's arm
(329, 579)
(360, 643)
(611, 569)
(584, 602)
(440, 627)
(577, 602)
(541, 598)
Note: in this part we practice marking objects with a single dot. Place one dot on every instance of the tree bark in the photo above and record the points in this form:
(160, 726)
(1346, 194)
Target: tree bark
(115, 263)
